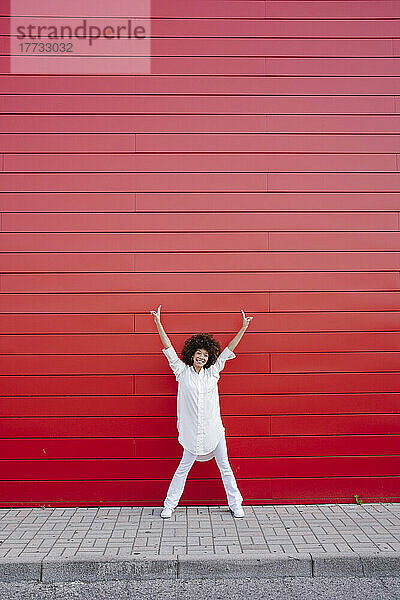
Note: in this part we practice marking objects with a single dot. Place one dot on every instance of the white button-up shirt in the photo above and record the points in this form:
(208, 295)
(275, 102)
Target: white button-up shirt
(199, 419)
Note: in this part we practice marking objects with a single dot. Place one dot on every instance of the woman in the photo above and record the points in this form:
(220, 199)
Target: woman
(201, 432)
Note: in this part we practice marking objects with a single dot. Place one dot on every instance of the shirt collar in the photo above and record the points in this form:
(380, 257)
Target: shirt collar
(194, 371)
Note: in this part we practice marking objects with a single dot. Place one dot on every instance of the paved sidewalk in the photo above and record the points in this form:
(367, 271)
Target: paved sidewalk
(55, 544)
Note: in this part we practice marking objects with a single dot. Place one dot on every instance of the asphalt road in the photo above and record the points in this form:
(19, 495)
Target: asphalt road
(285, 588)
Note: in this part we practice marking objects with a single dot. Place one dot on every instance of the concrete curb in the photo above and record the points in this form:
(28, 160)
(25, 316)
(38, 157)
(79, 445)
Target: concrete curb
(259, 565)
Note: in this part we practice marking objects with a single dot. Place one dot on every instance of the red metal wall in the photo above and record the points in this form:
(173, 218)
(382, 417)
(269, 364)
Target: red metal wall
(256, 167)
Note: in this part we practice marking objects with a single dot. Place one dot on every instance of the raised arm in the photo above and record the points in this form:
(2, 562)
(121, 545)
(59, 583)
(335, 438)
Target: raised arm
(177, 365)
(234, 342)
(157, 319)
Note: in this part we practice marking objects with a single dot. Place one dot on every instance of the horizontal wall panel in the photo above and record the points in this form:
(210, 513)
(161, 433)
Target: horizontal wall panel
(388, 182)
(324, 66)
(68, 142)
(162, 448)
(215, 28)
(127, 491)
(288, 302)
(302, 362)
(397, 105)
(253, 66)
(255, 9)
(89, 426)
(180, 8)
(110, 104)
(130, 302)
(192, 202)
(98, 405)
(308, 28)
(279, 142)
(169, 84)
(138, 346)
(139, 163)
(199, 282)
(318, 362)
(255, 182)
(298, 221)
(341, 424)
(196, 182)
(131, 182)
(76, 448)
(233, 384)
(248, 446)
(244, 9)
(249, 261)
(162, 49)
(396, 47)
(136, 123)
(349, 466)
(369, 489)
(81, 364)
(74, 202)
(188, 262)
(201, 123)
(91, 384)
(42, 262)
(333, 123)
(254, 47)
(129, 242)
(199, 65)
(285, 302)
(286, 240)
(125, 426)
(117, 323)
(166, 426)
(283, 383)
(366, 9)
(59, 84)
(136, 492)
(266, 202)
(168, 52)
(64, 202)
(198, 491)
(271, 322)
(376, 241)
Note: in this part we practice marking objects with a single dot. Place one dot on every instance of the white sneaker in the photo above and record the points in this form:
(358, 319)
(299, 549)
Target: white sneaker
(167, 512)
(238, 512)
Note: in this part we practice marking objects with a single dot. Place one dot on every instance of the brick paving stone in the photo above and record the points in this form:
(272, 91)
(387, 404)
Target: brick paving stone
(11, 552)
(222, 549)
(281, 548)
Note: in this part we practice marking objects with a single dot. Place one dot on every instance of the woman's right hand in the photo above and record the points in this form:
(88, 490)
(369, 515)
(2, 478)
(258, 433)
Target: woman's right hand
(156, 315)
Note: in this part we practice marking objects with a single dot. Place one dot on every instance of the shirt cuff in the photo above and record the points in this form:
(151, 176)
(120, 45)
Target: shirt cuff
(228, 352)
(170, 352)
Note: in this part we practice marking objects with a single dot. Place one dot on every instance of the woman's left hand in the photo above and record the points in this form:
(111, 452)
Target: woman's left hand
(246, 320)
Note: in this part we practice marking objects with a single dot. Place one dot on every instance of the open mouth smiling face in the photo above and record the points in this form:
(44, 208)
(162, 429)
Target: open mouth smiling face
(200, 357)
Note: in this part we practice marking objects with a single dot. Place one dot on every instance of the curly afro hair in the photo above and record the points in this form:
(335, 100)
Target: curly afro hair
(201, 340)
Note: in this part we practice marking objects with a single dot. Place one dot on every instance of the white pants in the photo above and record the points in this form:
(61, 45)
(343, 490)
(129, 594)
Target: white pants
(177, 484)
